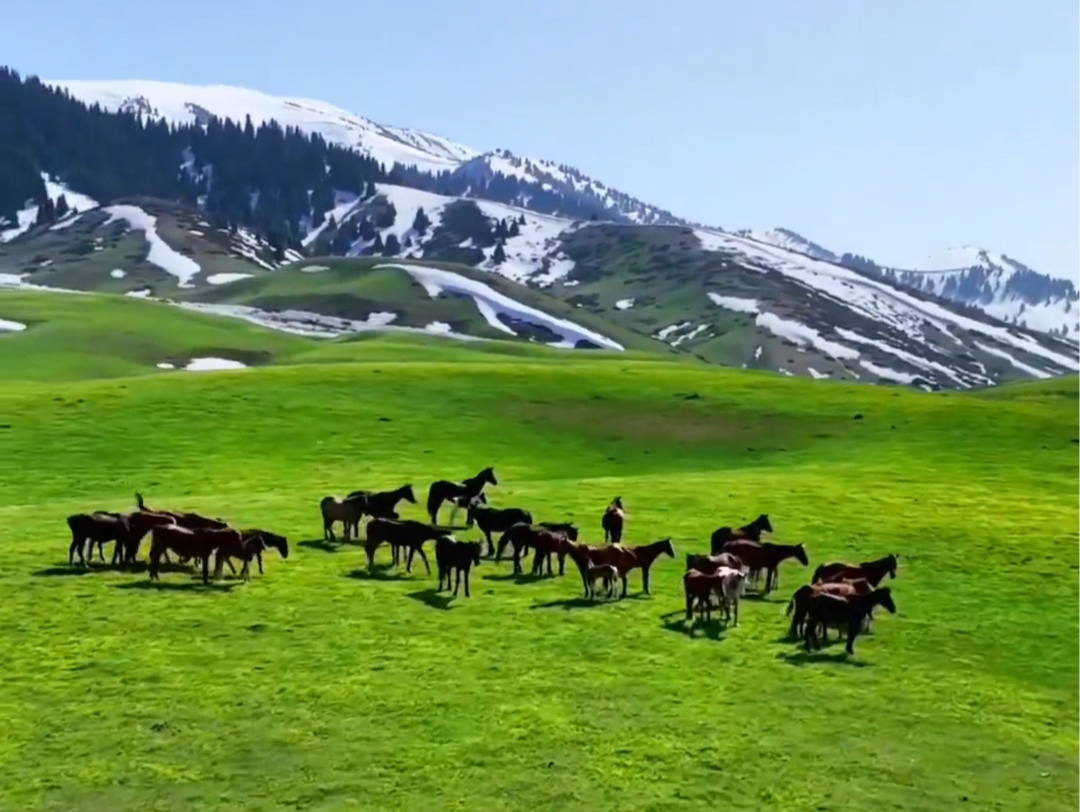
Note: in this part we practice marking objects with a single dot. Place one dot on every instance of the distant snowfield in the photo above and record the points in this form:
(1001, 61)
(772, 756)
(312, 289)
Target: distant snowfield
(624, 304)
(117, 273)
(735, 303)
(491, 304)
(161, 253)
(12, 326)
(872, 299)
(174, 102)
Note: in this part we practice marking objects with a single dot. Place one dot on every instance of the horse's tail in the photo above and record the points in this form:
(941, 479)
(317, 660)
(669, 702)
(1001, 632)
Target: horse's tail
(139, 501)
(689, 558)
(817, 573)
(790, 606)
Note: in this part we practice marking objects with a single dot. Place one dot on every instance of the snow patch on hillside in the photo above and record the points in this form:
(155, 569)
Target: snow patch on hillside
(77, 204)
(161, 253)
(492, 304)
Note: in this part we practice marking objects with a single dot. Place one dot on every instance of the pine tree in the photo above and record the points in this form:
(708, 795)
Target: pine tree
(515, 230)
(392, 247)
(498, 256)
(62, 207)
(387, 216)
(367, 230)
(521, 220)
(377, 246)
(46, 212)
(420, 222)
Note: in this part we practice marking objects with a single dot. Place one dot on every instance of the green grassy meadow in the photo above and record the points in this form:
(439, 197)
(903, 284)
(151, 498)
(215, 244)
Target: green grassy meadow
(321, 686)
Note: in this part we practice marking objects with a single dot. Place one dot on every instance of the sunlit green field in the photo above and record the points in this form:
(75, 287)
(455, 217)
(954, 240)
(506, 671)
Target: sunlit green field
(322, 686)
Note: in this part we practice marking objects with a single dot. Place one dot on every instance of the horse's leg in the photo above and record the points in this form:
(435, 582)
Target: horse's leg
(625, 586)
(490, 543)
(467, 568)
(457, 580)
(562, 562)
(645, 579)
(258, 557)
(423, 557)
(852, 633)
(206, 569)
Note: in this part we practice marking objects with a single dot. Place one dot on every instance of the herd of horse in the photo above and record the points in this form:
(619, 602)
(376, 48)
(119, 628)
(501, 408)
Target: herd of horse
(840, 596)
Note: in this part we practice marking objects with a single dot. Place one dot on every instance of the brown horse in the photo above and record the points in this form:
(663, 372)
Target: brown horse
(140, 523)
(625, 559)
(872, 571)
(613, 520)
(545, 544)
(800, 602)
(253, 543)
(460, 493)
(757, 557)
(748, 532)
(726, 583)
(199, 544)
(709, 564)
(848, 613)
(348, 511)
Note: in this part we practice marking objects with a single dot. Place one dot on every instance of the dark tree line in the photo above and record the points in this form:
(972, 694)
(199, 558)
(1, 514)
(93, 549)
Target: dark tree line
(277, 182)
(272, 180)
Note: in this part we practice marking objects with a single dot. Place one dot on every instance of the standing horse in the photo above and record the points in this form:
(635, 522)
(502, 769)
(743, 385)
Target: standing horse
(613, 520)
(460, 493)
(383, 504)
(872, 571)
(846, 613)
(748, 532)
(757, 557)
(348, 511)
(625, 559)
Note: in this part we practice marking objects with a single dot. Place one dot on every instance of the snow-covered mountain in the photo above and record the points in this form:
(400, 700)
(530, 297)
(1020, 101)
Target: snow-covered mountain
(995, 283)
(560, 178)
(190, 103)
(998, 285)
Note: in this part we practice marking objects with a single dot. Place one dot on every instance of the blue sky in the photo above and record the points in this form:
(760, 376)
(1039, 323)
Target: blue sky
(890, 128)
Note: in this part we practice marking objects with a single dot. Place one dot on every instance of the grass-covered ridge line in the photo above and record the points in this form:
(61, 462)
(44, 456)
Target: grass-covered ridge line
(321, 687)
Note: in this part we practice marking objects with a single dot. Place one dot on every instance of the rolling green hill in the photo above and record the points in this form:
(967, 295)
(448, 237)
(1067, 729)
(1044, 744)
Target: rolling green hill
(322, 686)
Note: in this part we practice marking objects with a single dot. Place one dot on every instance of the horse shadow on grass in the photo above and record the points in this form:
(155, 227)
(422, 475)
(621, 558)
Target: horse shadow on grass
(571, 603)
(380, 572)
(803, 657)
(715, 630)
(327, 546)
(193, 585)
(136, 567)
(520, 578)
(433, 599)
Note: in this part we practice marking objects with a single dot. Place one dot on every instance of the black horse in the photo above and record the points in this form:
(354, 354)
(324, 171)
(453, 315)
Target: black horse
(460, 493)
(748, 532)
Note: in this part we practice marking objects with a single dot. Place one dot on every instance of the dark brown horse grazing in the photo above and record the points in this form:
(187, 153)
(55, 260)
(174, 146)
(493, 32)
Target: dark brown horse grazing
(460, 493)
(848, 613)
(768, 557)
(547, 543)
(199, 544)
(872, 571)
(521, 536)
(800, 602)
(748, 532)
(613, 520)
(456, 558)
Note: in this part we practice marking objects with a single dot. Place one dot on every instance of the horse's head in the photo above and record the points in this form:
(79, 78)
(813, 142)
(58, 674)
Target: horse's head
(883, 596)
(765, 524)
(407, 494)
(666, 547)
(571, 532)
(617, 502)
(280, 542)
(474, 552)
(471, 509)
(800, 555)
(488, 476)
(890, 562)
